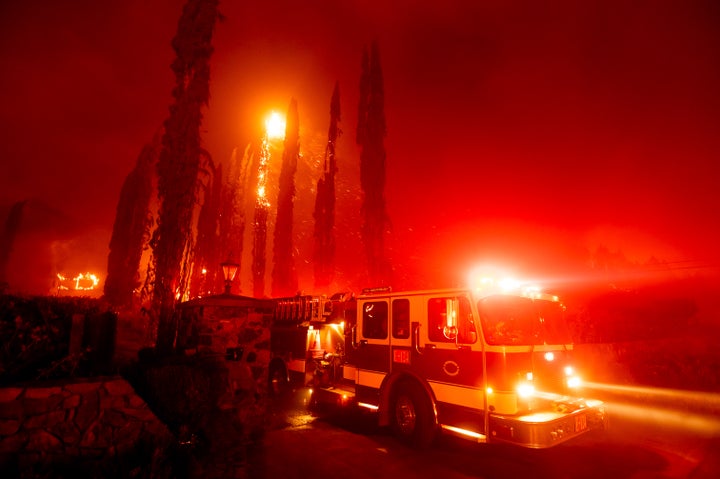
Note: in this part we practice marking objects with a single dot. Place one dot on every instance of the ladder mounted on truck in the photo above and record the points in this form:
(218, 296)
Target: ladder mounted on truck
(307, 309)
(299, 309)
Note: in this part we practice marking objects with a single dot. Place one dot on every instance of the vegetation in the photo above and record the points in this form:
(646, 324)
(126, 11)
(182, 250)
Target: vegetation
(36, 333)
(131, 230)
(662, 335)
(631, 315)
(260, 224)
(180, 163)
(371, 131)
(324, 214)
(284, 280)
(7, 238)
(206, 272)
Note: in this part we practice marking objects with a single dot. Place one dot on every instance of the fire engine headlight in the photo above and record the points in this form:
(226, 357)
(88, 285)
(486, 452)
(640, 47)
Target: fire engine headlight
(525, 390)
(574, 382)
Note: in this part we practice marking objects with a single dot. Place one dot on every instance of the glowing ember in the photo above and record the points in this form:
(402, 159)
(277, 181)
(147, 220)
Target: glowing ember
(262, 200)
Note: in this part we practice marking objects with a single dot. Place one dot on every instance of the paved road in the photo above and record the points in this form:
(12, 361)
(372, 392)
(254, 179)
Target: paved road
(645, 440)
(303, 445)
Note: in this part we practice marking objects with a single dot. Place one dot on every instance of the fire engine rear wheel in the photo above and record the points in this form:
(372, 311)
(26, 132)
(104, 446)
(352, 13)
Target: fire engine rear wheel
(412, 415)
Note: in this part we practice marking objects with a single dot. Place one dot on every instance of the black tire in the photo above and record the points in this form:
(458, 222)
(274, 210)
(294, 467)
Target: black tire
(412, 417)
(278, 381)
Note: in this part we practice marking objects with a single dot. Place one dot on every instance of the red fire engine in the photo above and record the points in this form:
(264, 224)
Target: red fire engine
(492, 364)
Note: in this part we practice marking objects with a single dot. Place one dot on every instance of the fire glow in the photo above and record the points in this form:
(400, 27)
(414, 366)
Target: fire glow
(262, 174)
(275, 126)
(81, 282)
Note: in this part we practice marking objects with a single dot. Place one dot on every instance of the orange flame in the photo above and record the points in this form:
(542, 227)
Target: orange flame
(81, 282)
(262, 174)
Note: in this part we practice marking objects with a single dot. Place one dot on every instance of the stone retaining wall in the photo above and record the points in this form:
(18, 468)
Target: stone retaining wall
(96, 427)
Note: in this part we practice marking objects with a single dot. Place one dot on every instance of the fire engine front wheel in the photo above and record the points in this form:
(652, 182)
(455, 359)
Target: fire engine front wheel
(412, 415)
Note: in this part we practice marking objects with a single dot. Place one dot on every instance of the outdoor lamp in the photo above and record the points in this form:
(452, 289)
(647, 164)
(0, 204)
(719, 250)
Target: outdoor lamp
(229, 270)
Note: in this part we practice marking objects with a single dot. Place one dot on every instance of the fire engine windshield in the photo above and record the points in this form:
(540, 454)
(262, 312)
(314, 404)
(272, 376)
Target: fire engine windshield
(515, 320)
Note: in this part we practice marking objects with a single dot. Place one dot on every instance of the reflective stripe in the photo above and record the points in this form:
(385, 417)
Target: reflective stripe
(350, 372)
(503, 402)
(370, 378)
(460, 395)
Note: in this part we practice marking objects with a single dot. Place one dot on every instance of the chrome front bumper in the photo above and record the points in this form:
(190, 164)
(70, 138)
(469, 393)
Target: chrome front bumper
(543, 429)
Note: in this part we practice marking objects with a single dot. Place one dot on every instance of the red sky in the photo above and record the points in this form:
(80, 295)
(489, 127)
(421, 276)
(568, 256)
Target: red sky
(519, 132)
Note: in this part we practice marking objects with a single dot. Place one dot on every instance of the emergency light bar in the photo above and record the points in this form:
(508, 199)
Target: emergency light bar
(377, 290)
(487, 285)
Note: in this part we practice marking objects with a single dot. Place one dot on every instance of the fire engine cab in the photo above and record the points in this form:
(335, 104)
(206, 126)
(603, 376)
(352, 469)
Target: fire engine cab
(492, 364)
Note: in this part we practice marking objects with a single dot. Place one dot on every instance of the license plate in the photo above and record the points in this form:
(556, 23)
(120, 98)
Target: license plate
(580, 423)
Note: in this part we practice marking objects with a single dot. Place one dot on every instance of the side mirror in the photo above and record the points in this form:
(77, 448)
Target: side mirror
(450, 329)
(450, 332)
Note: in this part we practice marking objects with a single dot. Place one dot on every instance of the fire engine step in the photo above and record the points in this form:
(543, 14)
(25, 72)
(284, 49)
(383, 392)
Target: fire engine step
(464, 433)
(341, 395)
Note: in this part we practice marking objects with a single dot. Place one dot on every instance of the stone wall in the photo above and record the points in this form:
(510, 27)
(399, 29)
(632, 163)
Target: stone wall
(96, 427)
(221, 324)
(221, 328)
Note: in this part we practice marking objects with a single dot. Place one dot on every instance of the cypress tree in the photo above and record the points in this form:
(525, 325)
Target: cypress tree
(324, 213)
(260, 222)
(131, 229)
(206, 260)
(7, 240)
(179, 164)
(371, 131)
(284, 274)
(232, 212)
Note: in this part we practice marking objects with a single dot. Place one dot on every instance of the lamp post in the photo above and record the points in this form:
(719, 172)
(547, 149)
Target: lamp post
(229, 270)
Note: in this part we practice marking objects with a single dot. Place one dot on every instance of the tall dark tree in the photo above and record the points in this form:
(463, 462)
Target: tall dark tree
(324, 214)
(7, 240)
(179, 164)
(260, 222)
(371, 132)
(284, 275)
(206, 259)
(232, 213)
(131, 230)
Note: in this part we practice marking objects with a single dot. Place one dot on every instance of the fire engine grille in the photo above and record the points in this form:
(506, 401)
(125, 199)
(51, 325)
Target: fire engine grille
(551, 380)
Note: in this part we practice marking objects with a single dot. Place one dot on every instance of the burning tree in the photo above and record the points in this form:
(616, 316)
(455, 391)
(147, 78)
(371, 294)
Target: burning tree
(131, 230)
(324, 214)
(370, 136)
(260, 222)
(284, 274)
(179, 164)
